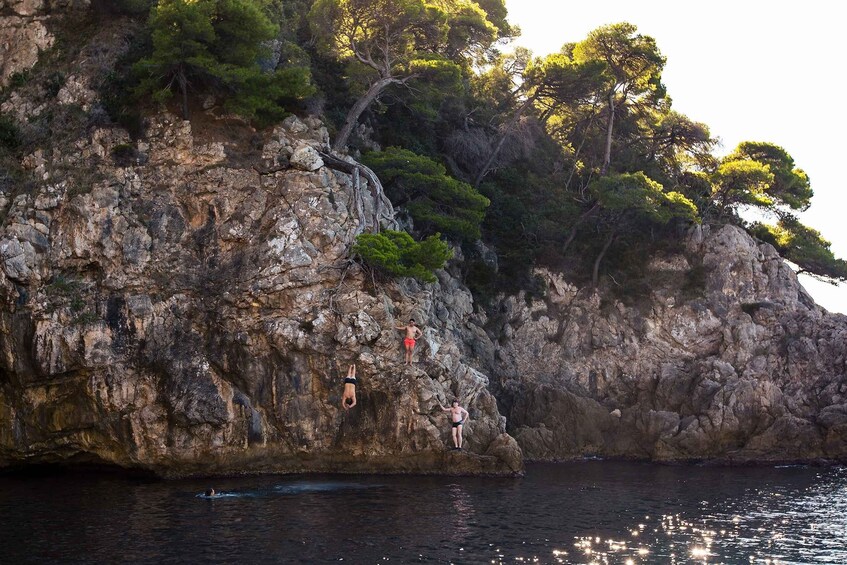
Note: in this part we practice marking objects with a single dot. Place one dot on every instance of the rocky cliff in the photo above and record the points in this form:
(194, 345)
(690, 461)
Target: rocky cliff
(195, 314)
(727, 360)
(185, 303)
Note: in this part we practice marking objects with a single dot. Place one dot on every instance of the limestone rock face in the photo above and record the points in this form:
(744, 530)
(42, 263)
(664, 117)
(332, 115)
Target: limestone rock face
(192, 316)
(729, 359)
(186, 303)
(22, 38)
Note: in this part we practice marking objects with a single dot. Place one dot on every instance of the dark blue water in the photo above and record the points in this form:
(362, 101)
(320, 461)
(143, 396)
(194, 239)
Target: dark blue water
(592, 512)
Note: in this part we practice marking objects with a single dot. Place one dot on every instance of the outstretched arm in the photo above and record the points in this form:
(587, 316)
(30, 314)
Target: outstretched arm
(399, 327)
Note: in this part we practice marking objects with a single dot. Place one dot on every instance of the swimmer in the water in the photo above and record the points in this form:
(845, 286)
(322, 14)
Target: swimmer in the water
(459, 416)
(348, 398)
(211, 492)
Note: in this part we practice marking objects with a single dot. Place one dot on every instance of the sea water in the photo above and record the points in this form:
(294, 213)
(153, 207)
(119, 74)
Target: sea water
(587, 512)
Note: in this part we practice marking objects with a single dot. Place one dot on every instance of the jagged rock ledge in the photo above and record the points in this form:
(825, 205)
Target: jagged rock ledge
(728, 360)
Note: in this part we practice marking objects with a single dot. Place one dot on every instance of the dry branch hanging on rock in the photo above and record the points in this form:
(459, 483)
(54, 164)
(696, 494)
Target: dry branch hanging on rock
(383, 210)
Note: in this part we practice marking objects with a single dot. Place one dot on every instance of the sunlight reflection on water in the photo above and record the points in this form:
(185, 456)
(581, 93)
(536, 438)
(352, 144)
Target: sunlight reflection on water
(774, 525)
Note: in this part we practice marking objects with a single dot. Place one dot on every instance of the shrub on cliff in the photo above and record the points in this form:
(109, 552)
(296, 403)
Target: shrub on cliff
(397, 254)
(10, 135)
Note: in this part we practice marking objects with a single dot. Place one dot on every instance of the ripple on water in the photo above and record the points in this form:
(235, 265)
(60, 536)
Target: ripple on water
(591, 512)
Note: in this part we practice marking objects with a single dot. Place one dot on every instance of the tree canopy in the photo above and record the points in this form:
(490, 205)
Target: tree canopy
(436, 201)
(576, 160)
(387, 37)
(803, 246)
(216, 46)
(633, 70)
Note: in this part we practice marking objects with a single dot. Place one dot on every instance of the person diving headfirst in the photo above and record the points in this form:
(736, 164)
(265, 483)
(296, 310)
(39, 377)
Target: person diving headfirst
(348, 397)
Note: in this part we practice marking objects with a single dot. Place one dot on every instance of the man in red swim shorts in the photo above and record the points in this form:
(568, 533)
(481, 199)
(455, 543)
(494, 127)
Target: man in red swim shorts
(413, 333)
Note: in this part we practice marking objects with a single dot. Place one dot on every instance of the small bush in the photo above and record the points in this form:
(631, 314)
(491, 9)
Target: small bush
(396, 254)
(10, 135)
(125, 155)
(18, 79)
(61, 285)
(86, 318)
(54, 83)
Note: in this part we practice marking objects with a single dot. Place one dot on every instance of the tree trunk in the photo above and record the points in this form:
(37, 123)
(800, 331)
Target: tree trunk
(579, 149)
(607, 157)
(183, 87)
(579, 221)
(360, 106)
(487, 166)
(595, 273)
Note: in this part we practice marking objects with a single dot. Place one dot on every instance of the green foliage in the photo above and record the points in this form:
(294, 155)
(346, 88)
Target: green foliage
(18, 79)
(62, 285)
(10, 133)
(54, 83)
(790, 186)
(803, 246)
(394, 29)
(385, 41)
(436, 201)
(742, 182)
(436, 75)
(86, 318)
(124, 154)
(529, 220)
(558, 79)
(263, 97)
(470, 32)
(637, 194)
(216, 46)
(397, 254)
(495, 12)
(633, 62)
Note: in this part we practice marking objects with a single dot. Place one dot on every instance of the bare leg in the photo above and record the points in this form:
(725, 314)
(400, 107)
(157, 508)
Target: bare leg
(459, 435)
(349, 389)
(455, 434)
